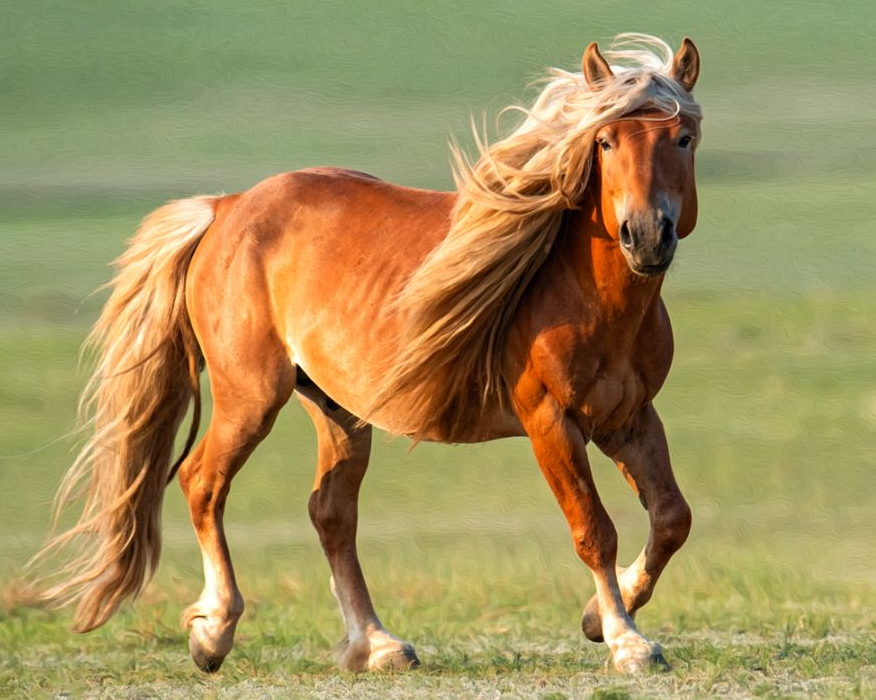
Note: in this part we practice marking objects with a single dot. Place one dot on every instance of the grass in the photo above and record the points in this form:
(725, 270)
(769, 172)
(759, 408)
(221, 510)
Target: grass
(770, 407)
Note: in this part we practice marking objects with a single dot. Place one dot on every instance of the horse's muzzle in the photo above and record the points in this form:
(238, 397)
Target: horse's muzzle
(648, 244)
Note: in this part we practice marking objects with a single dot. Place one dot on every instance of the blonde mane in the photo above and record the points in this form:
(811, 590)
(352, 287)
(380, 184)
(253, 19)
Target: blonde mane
(460, 303)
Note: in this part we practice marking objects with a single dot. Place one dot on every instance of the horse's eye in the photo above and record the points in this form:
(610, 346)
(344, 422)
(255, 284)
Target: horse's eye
(603, 144)
(685, 141)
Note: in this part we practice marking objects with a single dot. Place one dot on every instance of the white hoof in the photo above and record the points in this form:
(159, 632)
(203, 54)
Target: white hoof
(210, 637)
(380, 652)
(633, 654)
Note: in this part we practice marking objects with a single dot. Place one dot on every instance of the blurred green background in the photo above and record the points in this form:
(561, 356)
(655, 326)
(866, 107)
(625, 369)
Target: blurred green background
(107, 109)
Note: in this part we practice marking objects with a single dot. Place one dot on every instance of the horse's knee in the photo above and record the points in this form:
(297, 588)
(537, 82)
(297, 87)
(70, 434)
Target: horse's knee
(673, 524)
(597, 547)
(322, 515)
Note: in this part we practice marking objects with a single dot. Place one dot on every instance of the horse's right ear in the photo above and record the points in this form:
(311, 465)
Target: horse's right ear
(595, 67)
(686, 64)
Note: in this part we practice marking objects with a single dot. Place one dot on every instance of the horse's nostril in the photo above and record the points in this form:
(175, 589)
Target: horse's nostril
(626, 237)
(667, 233)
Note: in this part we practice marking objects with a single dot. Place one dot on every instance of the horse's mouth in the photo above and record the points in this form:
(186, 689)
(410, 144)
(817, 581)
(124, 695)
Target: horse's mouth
(651, 270)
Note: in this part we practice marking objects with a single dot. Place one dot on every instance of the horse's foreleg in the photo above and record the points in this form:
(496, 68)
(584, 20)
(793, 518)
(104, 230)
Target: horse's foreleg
(643, 457)
(241, 419)
(344, 449)
(560, 448)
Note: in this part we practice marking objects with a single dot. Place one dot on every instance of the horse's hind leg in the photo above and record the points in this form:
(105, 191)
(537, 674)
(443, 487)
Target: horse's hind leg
(344, 448)
(643, 458)
(248, 392)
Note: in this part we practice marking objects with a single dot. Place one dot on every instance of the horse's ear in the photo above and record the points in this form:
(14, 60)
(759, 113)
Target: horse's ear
(686, 65)
(596, 68)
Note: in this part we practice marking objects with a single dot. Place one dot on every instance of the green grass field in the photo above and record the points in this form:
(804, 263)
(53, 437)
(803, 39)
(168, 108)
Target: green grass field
(109, 109)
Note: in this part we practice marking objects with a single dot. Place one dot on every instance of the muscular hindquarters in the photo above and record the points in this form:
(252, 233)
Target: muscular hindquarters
(309, 262)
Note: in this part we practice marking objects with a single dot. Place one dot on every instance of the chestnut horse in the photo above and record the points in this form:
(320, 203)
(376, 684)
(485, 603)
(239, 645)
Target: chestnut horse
(526, 303)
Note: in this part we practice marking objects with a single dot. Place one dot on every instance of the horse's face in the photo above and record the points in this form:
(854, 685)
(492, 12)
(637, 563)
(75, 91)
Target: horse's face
(648, 195)
(645, 165)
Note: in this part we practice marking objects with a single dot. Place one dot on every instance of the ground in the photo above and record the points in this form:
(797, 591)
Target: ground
(770, 407)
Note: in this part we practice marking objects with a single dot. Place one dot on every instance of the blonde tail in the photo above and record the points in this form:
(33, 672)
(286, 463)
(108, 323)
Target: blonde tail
(146, 375)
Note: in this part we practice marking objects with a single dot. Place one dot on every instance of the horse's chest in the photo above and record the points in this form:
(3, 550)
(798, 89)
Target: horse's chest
(613, 397)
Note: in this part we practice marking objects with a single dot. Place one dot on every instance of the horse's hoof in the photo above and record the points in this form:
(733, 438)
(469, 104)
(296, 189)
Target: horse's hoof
(591, 622)
(207, 647)
(208, 663)
(639, 656)
(393, 660)
(654, 663)
(659, 663)
(385, 653)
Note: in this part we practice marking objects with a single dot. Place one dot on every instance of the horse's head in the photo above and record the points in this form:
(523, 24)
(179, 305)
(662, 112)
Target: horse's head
(645, 164)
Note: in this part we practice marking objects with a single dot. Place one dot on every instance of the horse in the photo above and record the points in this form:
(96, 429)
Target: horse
(525, 303)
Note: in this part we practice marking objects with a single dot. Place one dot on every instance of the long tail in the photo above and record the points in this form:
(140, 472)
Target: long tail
(146, 375)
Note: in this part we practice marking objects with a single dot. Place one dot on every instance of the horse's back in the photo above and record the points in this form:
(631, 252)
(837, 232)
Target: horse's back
(333, 206)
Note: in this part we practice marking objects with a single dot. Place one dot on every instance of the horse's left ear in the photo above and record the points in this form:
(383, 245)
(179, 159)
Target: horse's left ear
(686, 65)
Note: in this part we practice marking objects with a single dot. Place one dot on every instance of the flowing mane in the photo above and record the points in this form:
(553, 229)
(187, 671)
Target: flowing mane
(460, 303)
(264, 290)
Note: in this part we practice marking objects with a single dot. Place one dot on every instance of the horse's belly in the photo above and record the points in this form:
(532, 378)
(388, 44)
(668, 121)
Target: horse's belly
(348, 373)
(344, 351)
